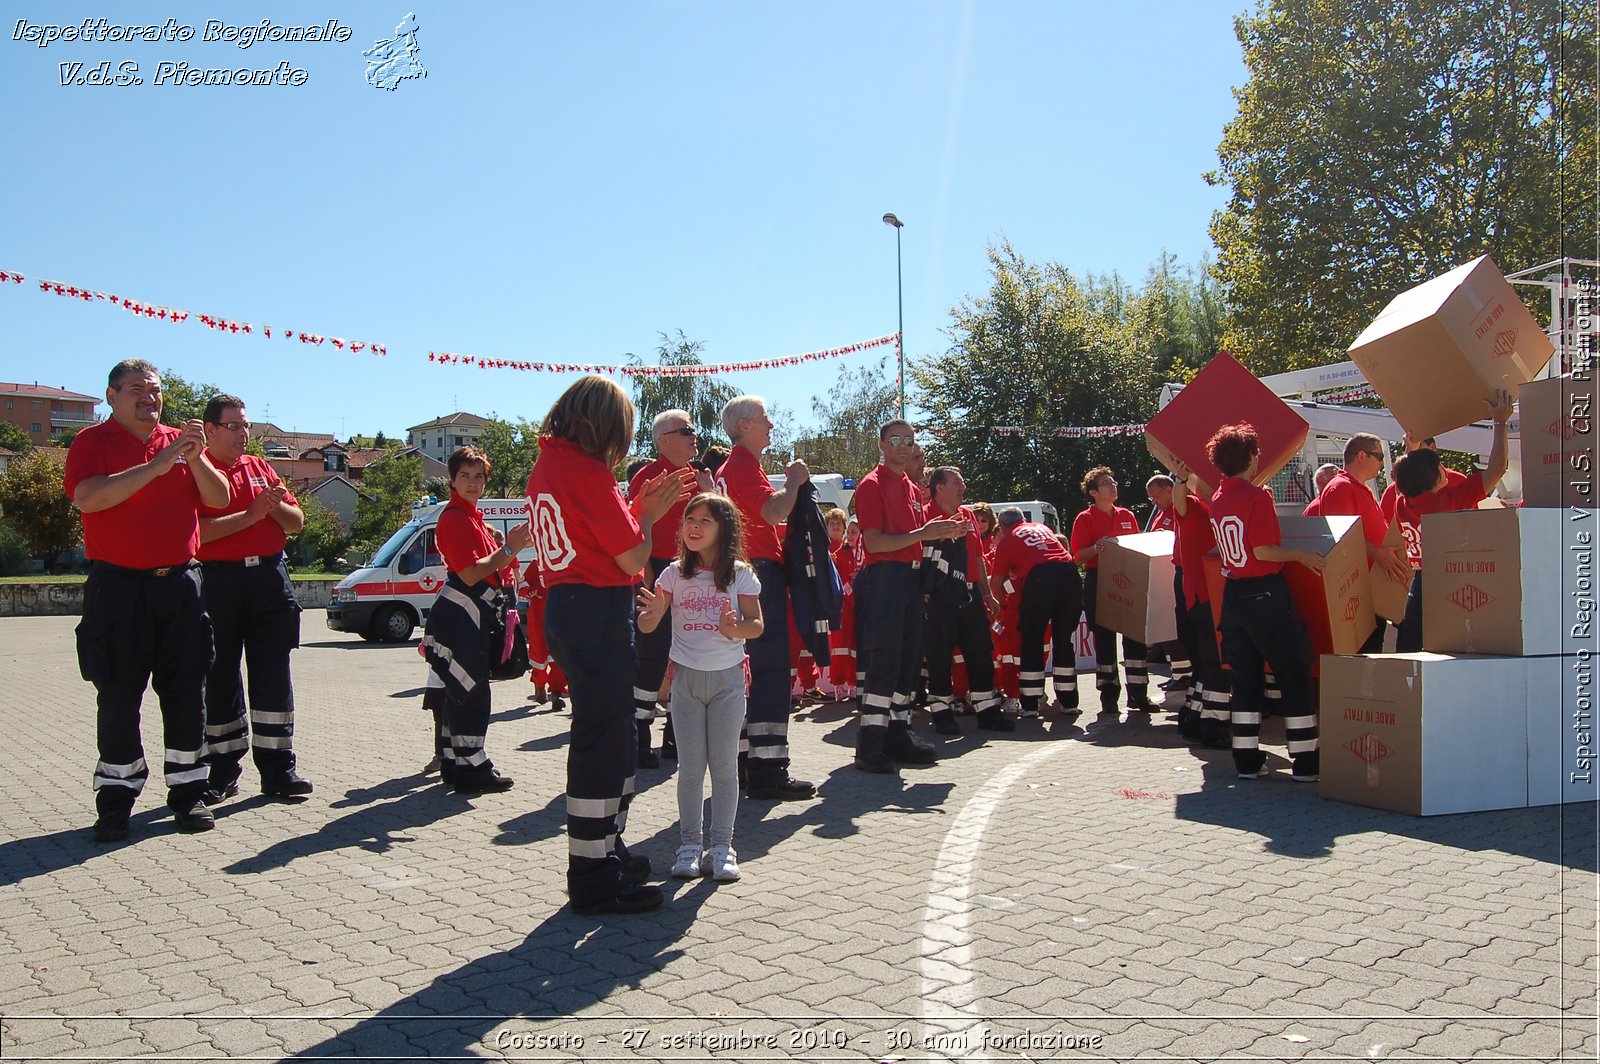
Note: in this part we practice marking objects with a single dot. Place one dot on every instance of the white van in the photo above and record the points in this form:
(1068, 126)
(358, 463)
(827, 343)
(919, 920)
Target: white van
(833, 489)
(1033, 510)
(387, 599)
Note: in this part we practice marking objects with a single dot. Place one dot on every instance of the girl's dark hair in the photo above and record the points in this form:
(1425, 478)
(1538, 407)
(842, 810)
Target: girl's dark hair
(730, 539)
(1416, 473)
(1231, 448)
(597, 415)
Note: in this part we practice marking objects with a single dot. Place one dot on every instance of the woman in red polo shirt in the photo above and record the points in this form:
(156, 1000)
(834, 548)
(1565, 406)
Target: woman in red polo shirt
(1095, 527)
(591, 553)
(465, 633)
(1258, 622)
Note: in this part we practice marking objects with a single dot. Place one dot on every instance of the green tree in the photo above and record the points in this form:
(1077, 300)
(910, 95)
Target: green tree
(36, 505)
(1039, 350)
(64, 437)
(380, 440)
(703, 397)
(322, 539)
(14, 437)
(1178, 320)
(14, 557)
(512, 450)
(181, 400)
(388, 488)
(1381, 143)
(848, 419)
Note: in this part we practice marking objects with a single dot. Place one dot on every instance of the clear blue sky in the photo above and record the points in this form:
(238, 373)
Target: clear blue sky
(571, 179)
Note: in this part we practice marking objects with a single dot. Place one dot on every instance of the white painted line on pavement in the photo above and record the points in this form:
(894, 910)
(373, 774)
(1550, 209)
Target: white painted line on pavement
(949, 985)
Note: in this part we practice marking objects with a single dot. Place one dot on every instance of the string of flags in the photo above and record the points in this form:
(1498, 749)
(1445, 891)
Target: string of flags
(446, 358)
(174, 316)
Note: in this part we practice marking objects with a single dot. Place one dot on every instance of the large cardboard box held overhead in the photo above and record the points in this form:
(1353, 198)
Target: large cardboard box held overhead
(1224, 393)
(1336, 603)
(1439, 351)
(1388, 594)
(1561, 730)
(1424, 734)
(1556, 421)
(1496, 581)
(1134, 592)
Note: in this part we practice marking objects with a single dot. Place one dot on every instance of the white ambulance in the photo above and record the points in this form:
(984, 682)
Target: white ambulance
(387, 600)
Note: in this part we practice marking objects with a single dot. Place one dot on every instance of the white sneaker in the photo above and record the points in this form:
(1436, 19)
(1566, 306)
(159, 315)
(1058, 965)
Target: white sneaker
(724, 864)
(687, 865)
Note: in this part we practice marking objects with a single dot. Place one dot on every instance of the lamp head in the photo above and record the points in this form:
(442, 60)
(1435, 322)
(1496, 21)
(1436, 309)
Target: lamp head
(890, 219)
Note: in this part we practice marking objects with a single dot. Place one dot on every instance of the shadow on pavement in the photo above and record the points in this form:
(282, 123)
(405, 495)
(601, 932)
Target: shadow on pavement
(374, 828)
(40, 855)
(565, 967)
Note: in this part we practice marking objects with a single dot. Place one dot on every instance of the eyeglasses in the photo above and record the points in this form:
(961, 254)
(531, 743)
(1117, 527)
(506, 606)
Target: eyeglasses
(900, 441)
(234, 426)
(1106, 484)
(685, 431)
(1375, 454)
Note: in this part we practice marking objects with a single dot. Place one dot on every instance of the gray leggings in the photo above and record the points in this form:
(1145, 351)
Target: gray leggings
(707, 713)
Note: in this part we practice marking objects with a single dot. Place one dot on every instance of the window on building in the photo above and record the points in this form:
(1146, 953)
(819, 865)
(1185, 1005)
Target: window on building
(38, 404)
(37, 427)
(11, 404)
(460, 441)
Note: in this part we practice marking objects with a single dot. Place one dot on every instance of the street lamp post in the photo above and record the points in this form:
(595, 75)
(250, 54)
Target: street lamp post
(900, 299)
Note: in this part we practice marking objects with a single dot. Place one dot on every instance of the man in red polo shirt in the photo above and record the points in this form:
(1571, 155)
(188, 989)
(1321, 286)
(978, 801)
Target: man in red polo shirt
(889, 606)
(1426, 487)
(742, 479)
(139, 485)
(1032, 559)
(254, 615)
(676, 443)
(1347, 495)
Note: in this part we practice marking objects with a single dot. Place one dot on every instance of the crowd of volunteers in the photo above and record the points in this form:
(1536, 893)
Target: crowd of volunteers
(703, 587)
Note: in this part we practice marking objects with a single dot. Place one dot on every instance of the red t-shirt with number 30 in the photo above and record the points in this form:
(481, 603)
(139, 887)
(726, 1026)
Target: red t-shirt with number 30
(1243, 518)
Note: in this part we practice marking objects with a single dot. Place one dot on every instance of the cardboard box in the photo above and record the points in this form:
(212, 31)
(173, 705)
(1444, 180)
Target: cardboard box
(1561, 730)
(1557, 427)
(1224, 393)
(1439, 351)
(1336, 603)
(1424, 733)
(1134, 593)
(1388, 595)
(1496, 581)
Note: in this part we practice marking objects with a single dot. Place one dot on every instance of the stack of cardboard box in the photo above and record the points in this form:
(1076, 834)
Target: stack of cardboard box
(1496, 712)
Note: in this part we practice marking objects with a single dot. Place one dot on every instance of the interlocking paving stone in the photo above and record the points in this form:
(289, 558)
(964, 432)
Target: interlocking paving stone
(386, 917)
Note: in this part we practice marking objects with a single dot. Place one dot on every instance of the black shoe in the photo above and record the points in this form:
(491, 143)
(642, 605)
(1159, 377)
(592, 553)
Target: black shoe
(479, 781)
(1069, 704)
(1177, 683)
(876, 761)
(1307, 767)
(194, 817)
(945, 723)
(110, 828)
(787, 789)
(636, 869)
(557, 704)
(1139, 701)
(1215, 735)
(447, 773)
(289, 785)
(215, 795)
(992, 719)
(669, 750)
(648, 758)
(903, 746)
(640, 899)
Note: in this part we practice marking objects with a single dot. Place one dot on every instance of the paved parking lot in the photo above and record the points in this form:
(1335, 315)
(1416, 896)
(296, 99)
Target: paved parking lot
(1055, 893)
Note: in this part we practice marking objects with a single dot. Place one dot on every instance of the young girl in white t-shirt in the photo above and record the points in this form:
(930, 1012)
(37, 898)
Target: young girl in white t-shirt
(716, 605)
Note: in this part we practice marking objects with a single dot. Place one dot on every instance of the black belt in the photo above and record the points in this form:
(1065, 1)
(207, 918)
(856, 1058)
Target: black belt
(270, 561)
(165, 570)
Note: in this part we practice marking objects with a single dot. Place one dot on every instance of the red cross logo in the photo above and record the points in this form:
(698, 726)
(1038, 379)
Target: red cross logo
(1123, 581)
(1505, 343)
(429, 581)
